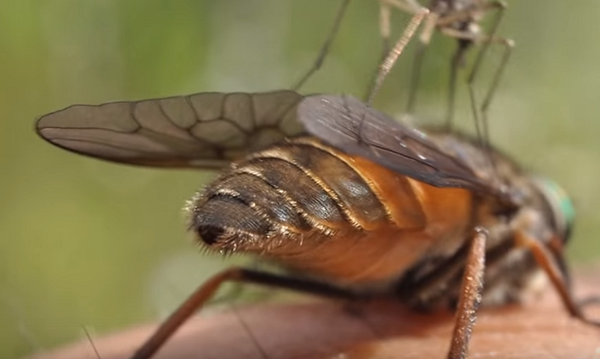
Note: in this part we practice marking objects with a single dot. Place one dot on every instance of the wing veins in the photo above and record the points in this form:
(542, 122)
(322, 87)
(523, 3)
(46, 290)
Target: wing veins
(164, 113)
(413, 158)
(163, 132)
(114, 146)
(253, 113)
(230, 121)
(358, 129)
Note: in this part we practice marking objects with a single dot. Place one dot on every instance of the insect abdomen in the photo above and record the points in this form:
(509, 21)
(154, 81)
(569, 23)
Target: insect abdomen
(289, 189)
(315, 208)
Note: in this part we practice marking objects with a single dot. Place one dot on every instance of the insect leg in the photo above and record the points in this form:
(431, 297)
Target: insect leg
(415, 74)
(545, 260)
(470, 296)
(487, 41)
(390, 60)
(209, 288)
(557, 249)
(90, 340)
(238, 289)
(384, 28)
(466, 38)
(420, 292)
(325, 47)
(408, 6)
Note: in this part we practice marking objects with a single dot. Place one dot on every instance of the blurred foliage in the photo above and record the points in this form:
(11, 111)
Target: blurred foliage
(89, 243)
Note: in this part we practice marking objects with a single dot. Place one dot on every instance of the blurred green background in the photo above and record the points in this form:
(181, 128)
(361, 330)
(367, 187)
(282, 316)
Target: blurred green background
(84, 242)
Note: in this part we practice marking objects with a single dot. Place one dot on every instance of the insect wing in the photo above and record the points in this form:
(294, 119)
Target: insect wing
(357, 129)
(205, 130)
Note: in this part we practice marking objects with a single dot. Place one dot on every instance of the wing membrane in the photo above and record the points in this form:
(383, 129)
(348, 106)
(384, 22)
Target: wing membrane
(357, 129)
(206, 130)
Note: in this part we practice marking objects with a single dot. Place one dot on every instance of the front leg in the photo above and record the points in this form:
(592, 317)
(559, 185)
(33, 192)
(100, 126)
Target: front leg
(548, 263)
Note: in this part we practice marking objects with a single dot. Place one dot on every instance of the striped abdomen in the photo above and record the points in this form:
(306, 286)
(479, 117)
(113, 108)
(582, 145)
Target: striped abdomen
(313, 208)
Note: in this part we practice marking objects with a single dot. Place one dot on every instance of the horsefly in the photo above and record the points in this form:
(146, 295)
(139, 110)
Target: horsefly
(354, 205)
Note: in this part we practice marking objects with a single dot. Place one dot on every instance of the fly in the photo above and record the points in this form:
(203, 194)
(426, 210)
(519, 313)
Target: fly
(355, 205)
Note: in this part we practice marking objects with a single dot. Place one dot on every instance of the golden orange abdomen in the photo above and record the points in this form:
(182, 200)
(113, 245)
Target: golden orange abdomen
(313, 208)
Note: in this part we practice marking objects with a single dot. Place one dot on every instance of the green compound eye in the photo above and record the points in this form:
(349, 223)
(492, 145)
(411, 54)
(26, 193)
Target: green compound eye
(562, 206)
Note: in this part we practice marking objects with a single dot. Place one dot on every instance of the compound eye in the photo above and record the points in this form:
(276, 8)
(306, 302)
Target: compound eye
(563, 210)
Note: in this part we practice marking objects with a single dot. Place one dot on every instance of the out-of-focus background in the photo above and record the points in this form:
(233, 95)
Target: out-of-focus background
(84, 242)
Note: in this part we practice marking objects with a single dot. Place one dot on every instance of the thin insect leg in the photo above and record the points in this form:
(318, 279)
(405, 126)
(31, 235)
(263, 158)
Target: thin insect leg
(508, 46)
(465, 40)
(385, 33)
(490, 38)
(469, 38)
(428, 286)
(408, 6)
(449, 271)
(89, 338)
(544, 259)
(237, 290)
(415, 75)
(384, 28)
(326, 45)
(556, 247)
(391, 58)
(470, 296)
(208, 289)
(360, 141)
(500, 8)
(455, 65)
(249, 332)
(478, 124)
(481, 126)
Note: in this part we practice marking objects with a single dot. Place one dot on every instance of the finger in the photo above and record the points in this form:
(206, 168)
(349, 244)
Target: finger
(323, 329)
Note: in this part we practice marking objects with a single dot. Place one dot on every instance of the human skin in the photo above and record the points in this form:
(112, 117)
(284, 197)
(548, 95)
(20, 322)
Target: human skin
(539, 328)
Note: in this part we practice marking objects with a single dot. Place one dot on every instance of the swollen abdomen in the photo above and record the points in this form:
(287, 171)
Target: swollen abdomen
(316, 209)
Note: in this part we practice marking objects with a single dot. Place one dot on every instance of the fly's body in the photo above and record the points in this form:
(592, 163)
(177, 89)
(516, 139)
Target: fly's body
(317, 210)
(344, 219)
(356, 205)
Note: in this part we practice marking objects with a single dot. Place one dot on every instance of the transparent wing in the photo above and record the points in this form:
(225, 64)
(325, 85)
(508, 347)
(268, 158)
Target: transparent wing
(355, 128)
(205, 130)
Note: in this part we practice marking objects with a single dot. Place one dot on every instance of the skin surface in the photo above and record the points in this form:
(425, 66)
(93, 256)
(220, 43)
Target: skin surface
(539, 328)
